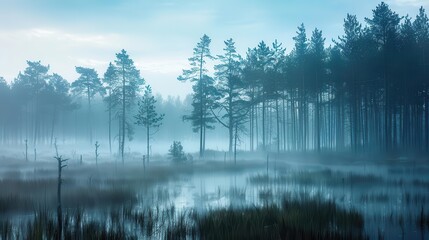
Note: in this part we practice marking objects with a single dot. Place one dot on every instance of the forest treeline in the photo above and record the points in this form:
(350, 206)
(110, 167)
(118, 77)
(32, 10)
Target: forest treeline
(366, 92)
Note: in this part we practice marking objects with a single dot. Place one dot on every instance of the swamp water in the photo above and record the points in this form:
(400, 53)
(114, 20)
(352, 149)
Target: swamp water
(151, 203)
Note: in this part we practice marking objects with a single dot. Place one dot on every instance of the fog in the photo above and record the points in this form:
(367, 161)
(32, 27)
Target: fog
(302, 136)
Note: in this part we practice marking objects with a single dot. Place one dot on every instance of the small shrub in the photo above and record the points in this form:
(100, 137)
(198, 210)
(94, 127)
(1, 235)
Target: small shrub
(176, 152)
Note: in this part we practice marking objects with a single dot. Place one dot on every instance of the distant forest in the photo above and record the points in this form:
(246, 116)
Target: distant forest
(366, 92)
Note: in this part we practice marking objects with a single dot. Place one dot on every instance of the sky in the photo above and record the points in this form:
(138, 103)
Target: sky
(159, 35)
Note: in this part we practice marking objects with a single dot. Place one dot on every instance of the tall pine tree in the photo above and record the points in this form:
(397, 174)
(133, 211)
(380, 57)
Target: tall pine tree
(124, 93)
(230, 88)
(201, 116)
(109, 80)
(147, 116)
(88, 84)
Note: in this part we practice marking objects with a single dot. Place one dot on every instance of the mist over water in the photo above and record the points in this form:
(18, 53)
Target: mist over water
(280, 132)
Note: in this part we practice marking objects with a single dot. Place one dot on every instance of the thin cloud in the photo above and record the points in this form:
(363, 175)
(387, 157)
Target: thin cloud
(411, 3)
(72, 38)
(94, 63)
(162, 66)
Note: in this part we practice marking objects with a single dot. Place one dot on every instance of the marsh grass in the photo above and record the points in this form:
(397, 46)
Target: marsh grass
(6, 231)
(43, 226)
(311, 219)
(422, 221)
(306, 218)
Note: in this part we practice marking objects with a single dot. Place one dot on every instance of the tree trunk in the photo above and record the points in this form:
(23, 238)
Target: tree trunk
(54, 114)
(278, 125)
(59, 209)
(110, 121)
(147, 142)
(123, 115)
(201, 106)
(235, 144)
(317, 122)
(263, 125)
(89, 115)
(284, 122)
(230, 121)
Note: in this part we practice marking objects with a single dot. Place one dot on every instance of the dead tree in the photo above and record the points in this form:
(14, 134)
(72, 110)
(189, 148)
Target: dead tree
(26, 150)
(61, 164)
(97, 145)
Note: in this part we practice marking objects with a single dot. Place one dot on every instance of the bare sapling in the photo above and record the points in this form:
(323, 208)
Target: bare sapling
(97, 154)
(26, 150)
(61, 164)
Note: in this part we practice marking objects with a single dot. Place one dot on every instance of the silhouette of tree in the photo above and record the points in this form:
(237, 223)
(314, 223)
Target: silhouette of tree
(124, 93)
(230, 88)
(317, 58)
(28, 89)
(201, 116)
(5, 95)
(147, 115)
(88, 84)
(109, 80)
(59, 99)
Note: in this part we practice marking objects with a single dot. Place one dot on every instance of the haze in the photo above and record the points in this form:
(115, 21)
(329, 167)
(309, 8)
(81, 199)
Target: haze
(158, 34)
(214, 119)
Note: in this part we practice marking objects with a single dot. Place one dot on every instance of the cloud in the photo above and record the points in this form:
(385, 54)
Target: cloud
(105, 40)
(93, 63)
(412, 3)
(163, 66)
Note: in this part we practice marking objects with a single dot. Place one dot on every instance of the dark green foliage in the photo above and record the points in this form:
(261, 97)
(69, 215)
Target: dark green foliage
(125, 87)
(88, 85)
(203, 90)
(230, 103)
(176, 152)
(38, 96)
(147, 115)
(109, 79)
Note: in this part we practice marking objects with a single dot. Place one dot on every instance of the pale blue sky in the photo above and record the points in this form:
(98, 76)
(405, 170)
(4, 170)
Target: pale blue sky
(159, 34)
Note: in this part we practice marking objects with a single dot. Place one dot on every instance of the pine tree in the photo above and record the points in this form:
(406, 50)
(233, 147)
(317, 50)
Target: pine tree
(230, 89)
(317, 57)
(421, 27)
(201, 116)
(88, 84)
(384, 27)
(28, 89)
(5, 96)
(109, 79)
(124, 93)
(300, 53)
(276, 80)
(147, 115)
(59, 98)
(350, 45)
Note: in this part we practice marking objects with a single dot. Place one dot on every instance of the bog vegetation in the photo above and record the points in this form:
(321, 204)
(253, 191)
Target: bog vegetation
(366, 93)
